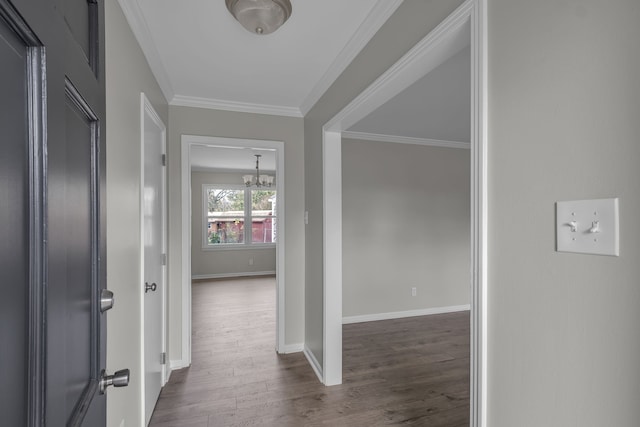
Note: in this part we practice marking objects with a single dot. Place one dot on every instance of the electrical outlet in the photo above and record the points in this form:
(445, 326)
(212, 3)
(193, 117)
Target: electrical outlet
(250, 261)
(414, 291)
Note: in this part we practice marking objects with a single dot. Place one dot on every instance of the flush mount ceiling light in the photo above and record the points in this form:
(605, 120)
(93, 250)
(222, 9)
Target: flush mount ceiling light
(260, 16)
(258, 180)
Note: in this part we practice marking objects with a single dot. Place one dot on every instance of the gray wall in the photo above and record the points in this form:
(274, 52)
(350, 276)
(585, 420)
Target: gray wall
(564, 106)
(405, 212)
(127, 74)
(221, 262)
(199, 121)
(564, 102)
(408, 25)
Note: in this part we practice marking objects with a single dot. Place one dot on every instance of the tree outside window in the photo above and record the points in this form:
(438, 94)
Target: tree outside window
(229, 209)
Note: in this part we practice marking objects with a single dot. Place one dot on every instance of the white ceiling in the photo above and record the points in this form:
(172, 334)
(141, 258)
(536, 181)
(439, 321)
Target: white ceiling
(232, 159)
(201, 56)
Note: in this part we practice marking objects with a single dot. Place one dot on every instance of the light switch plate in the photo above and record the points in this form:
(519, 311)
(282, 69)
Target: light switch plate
(588, 227)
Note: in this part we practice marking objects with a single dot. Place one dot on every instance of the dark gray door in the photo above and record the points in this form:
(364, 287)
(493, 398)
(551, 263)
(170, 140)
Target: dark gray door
(14, 229)
(52, 245)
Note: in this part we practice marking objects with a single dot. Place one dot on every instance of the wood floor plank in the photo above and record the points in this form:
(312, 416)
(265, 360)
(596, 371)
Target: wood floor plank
(412, 371)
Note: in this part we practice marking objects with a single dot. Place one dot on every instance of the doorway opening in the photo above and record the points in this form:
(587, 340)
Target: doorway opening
(217, 208)
(464, 27)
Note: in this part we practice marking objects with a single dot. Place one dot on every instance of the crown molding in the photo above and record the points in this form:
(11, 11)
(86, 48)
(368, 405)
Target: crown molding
(243, 107)
(135, 18)
(369, 27)
(405, 140)
(372, 23)
(444, 41)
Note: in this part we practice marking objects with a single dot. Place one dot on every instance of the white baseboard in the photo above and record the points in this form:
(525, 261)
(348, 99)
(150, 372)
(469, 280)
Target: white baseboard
(168, 377)
(177, 364)
(317, 368)
(228, 275)
(292, 348)
(401, 314)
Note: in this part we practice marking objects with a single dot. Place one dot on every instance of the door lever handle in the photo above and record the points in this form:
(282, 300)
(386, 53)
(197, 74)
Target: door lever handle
(106, 300)
(118, 379)
(150, 287)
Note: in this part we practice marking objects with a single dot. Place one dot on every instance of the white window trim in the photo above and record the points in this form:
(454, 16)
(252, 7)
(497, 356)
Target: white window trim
(247, 244)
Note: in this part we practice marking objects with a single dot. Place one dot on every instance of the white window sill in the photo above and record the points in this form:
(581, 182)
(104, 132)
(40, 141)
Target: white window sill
(239, 247)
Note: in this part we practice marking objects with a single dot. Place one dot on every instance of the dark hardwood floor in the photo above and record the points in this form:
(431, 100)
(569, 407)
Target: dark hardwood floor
(412, 371)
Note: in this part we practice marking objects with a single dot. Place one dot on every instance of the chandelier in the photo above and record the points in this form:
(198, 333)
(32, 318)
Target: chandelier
(258, 180)
(260, 16)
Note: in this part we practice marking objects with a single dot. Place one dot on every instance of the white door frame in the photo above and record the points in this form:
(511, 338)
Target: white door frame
(146, 109)
(465, 26)
(187, 141)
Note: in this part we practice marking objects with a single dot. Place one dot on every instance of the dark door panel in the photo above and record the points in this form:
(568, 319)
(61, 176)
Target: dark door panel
(81, 19)
(78, 236)
(52, 245)
(14, 227)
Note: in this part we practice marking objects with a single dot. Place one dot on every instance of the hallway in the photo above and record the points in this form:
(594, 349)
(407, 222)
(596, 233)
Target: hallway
(412, 371)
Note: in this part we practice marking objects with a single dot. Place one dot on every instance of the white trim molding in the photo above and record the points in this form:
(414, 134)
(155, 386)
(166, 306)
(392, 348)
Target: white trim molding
(230, 275)
(443, 42)
(135, 18)
(242, 107)
(466, 26)
(479, 213)
(317, 367)
(372, 23)
(365, 136)
(332, 256)
(292, 348)
(178, 364)
(185, 285)
(239, 247)
(402, 314)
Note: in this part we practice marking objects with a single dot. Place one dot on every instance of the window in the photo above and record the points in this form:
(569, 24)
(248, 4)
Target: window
(227, 211)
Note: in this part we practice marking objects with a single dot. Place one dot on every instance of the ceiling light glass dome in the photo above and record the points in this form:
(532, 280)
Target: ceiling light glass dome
(260, 16)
